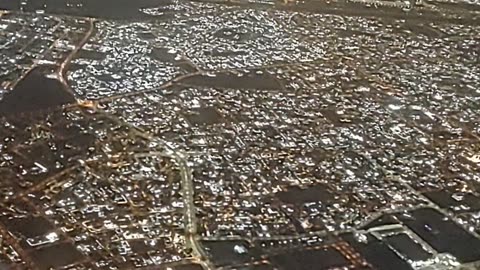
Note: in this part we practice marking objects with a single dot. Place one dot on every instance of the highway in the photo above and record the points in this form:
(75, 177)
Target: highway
(12, 85)
(62, 70)
(61, 73)
(192, 240)
(191, 237)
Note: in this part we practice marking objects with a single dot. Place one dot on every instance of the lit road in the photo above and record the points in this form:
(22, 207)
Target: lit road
(62, 70)
(190, 221)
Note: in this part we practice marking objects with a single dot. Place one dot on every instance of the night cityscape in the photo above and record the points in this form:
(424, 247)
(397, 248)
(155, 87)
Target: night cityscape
(240, 134)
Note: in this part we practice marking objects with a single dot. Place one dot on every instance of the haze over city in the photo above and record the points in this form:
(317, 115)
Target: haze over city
(239, 134)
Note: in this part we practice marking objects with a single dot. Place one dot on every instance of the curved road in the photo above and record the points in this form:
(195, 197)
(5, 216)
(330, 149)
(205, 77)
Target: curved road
(62, 70)
(191, 237)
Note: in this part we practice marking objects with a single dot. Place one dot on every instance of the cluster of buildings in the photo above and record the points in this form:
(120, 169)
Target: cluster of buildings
(78, 183)
(117, 60)
(32, 40)
(262, 133)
